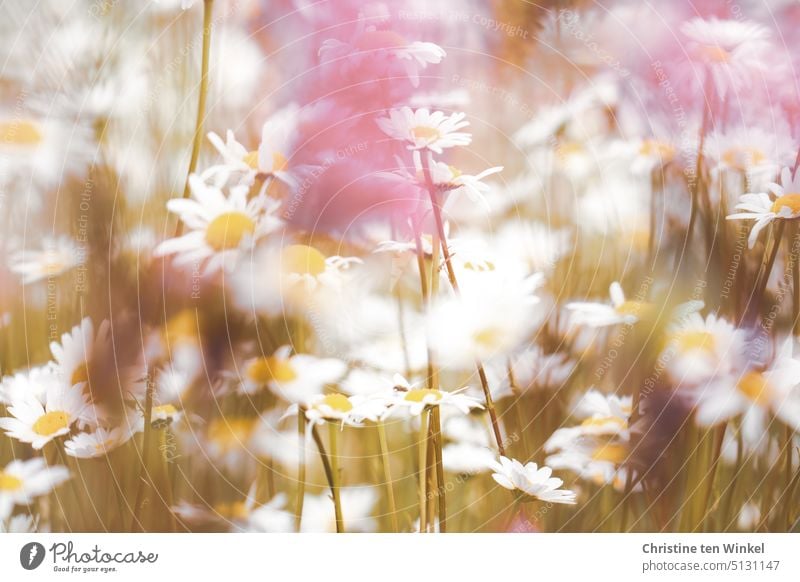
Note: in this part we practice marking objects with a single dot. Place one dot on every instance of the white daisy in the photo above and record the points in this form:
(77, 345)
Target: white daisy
(425, 130)
(99, 443)
(351, 410)
(357, 506)
(414, 400)
(57, 256)
(34, 381)
(531, 481)
(219, 226)
(296, 378)
(38, 422)
(732, 51)
(373, 44)
(22, 481)
(764, 209)
(467, 458)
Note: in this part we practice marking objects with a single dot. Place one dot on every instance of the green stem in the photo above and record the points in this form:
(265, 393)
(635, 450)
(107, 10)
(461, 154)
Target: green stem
(387, 473)
(333, 433)
(451, 274)
(208, 6)
(301, 470)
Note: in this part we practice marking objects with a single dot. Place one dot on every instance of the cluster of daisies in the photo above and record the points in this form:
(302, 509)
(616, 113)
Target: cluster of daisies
(363, 322)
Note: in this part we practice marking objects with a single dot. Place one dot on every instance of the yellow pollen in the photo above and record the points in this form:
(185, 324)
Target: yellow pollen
(251, 159)
(790, 201)
(636, 308)
(235, 510)
(302, 260)
(81, 374)
(568, 149)
(454, 172)
(755, 386)
(597, 421)
(715, 54)
(263, 370)
(9, 482)
(227, 230)
(380, 39)
(24, 133)
(481, 267)
(279, 162)
(420, 394)
(337, 402)
(182, 326)
(743, 158)
(51, 423)
(426, 133)
(695, 340)
(613, 453)
(653, 148)
(488, 337)
(165, 409)
(231, 432)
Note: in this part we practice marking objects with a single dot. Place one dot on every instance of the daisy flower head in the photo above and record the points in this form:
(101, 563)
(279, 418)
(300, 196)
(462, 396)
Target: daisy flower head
(57, 256)
(423, 130)
(531, 481)
(699, 347)
(351, 410)
(731, 51)
(762, 208)
(375, 44)
(219, 225)
(296, 378)
(22, 481)
(91, 445)
(415, 400)
(38, 422)
(451, 180)
(621, 310)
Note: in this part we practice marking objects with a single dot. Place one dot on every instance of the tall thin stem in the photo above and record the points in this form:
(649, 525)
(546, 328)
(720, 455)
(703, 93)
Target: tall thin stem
(208, 9)
(423, 466)
(333, 433)
(301, 470)
(451, 274)
(387, 473)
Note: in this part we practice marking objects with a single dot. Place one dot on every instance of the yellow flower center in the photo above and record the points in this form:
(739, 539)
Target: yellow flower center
(569, 149)
(657, 149)
(598, 421)
(421, 395)
(231, 432)
(755, 387)
(338, 402)
(23, 133)
(790, 201)
(426, 133)
(715, 54)
(635, 308)
(454, 172)
(183, 326)
(742, 158)
(279, 162)
(302, 260)
(380, 39)
(80, 374)
(51, 423)
(481, 266)
(235, 510)
(165, 409)
(9, 482)
(251, 159)
(488, 337)
(227, 230)
(611, 452)
(695, 340)
(263, 370)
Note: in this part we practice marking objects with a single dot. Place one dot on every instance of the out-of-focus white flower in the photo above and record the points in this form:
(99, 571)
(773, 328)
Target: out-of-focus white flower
(295, 378)
(98, 443)
(21, 524)
(732, 51)
(357, 506)
(57, 256)
(415, 56)
(22, 481)
(270, 517)
(749, 517)
(700, 347)
(619, 311)
(422, 129)
(219, 226)
(34, 382)
(531, 481)
(764, 210)
(467, 458)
